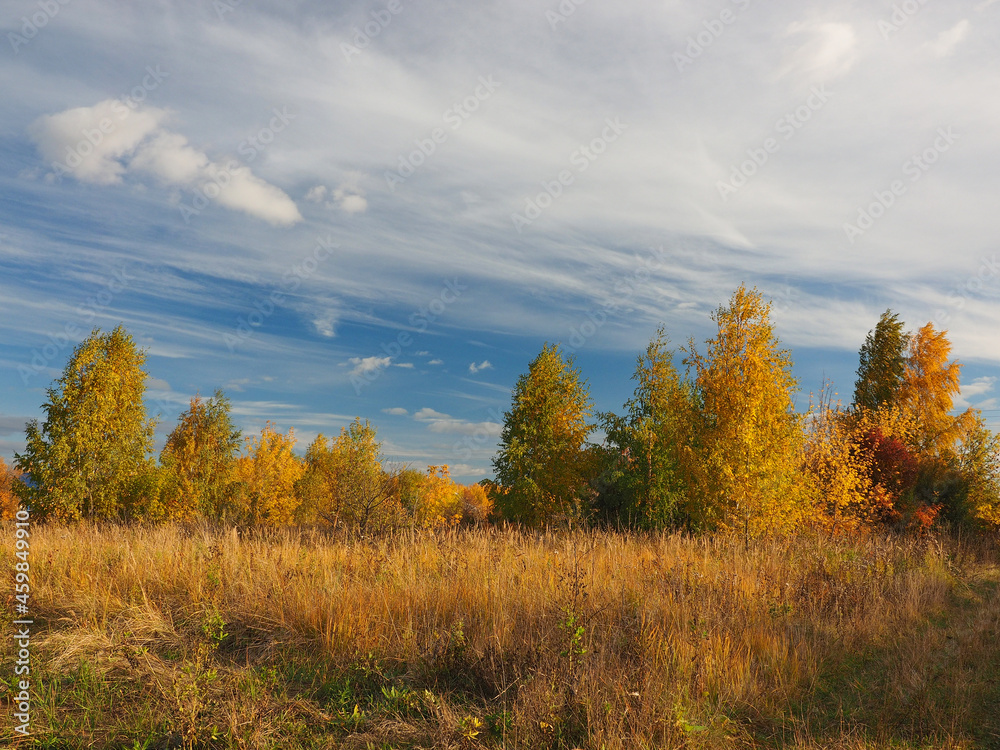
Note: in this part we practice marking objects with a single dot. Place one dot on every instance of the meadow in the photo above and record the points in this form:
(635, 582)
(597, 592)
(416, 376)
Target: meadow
(202, 636)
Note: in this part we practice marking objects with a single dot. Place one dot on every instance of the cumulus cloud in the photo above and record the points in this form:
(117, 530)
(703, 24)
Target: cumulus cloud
(436, 362)
(484, 365)
(368, 365)
(103, 143)
(349, 197)
(316, 194)
(947, 41)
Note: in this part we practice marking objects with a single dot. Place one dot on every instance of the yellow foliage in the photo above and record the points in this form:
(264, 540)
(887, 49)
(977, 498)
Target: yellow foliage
(267, 477)
(744, 470)
(477, 505)
(440, 499)
(929, 383)
(848, 499)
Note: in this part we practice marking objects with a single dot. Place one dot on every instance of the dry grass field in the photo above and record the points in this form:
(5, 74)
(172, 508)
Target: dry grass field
(208, 638)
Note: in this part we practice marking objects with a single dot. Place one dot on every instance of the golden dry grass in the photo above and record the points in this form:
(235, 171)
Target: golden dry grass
(203, 637)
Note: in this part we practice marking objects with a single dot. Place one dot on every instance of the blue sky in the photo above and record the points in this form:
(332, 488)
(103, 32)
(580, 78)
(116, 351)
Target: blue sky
(385, 209)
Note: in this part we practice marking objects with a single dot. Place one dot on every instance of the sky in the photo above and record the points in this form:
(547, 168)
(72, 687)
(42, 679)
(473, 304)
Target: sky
(384, 210)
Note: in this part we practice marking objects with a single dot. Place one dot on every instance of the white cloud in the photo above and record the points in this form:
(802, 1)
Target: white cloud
(436, 362)
(352, 203)
(349, 197)
(396, 411)
(829, 52)
(367, 365)
(426, 414)
(74, 141)
(404, 365)
(484, 365)
(104, 143)
(947, 41)
(316, 194)
(970, 391)
(445, 423)
(325, 324)
(461, 427)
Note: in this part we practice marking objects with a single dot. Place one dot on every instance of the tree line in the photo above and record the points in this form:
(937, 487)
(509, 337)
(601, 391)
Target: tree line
(718, 447)
(92, 458)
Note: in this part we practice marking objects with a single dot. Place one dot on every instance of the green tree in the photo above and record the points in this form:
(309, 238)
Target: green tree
(542, 466)
(345, 483)
(96, 438)
(199, 459)
(745, 464)
(882, 364)
(979, 468)
(643, 481)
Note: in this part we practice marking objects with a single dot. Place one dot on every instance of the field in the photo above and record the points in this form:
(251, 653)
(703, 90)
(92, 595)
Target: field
(204, 637)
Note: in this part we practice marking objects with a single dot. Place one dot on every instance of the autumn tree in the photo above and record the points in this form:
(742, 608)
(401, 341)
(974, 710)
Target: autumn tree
(979, 468)
(861, 464)
(542, 465)
(643, 481)
(440, 501)
(96, 438)
(345, 482)
(199, 459)
(881, 366)
(9, 478)
(748, 440)
(263, 490)
(927, 391)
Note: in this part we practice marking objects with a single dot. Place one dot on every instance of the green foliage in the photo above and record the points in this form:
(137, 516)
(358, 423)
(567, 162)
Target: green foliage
(199, 458)
(643, 482)
(979, 467)
(96, 438)
(542, 466)
(344, 482)
(882, 363)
